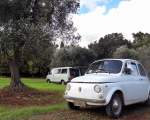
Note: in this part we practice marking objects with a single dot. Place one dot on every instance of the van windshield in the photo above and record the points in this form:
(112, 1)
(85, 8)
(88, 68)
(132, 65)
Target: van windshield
(105, 66)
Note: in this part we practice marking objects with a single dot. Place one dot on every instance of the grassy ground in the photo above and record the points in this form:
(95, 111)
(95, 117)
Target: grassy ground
(36, 83)
(19, 113)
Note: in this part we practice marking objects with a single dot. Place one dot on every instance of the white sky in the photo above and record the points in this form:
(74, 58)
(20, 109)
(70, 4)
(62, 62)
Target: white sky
(131, 16)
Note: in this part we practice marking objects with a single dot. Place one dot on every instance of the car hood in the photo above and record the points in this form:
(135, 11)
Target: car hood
(97, 78)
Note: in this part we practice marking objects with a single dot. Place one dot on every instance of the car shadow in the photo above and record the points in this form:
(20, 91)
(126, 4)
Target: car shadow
(132, 111)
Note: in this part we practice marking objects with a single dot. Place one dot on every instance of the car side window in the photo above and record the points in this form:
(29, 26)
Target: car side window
(133, 67)
(141, 70)
(56, 71)
(64, 71)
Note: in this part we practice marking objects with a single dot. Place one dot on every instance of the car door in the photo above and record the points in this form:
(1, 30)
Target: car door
(144, 82)
(132, 84)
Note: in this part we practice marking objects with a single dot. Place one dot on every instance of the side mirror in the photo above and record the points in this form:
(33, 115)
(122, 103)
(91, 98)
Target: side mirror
(127, 71)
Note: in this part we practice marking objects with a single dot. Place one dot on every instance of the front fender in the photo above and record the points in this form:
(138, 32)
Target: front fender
(111, 93)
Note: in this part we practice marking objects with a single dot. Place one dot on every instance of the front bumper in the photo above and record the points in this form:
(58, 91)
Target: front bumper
(91, 102)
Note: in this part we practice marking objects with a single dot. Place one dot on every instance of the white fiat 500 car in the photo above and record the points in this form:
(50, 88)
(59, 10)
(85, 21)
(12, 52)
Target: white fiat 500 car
(113, 83)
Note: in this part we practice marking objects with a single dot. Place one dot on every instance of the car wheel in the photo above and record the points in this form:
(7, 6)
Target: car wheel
(48, 81)
(72, 106)
(114, 108)
(148, 100)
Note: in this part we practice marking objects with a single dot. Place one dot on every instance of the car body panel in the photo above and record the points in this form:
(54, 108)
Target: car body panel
(134, 87)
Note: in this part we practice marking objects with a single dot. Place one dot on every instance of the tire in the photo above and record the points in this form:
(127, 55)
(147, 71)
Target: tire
(72, 106)
(48, 81)
(114, 108)
(148, 100)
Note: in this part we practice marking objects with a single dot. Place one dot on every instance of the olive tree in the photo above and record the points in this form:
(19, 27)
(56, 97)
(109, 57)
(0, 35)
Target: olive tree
(126, 53)
(28, 27)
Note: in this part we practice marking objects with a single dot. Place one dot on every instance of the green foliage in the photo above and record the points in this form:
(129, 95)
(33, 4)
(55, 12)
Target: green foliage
(29, 29)
(106, 45)
(72, 56)
(141, 39)
(144, 56)
(125, 53)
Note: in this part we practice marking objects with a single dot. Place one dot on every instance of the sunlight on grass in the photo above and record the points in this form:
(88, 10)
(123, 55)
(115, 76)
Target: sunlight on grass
(34, 83)
(4, 82)
(15, 113)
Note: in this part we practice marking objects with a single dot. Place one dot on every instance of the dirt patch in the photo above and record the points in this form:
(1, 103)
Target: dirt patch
(29, 97)
(136, 112)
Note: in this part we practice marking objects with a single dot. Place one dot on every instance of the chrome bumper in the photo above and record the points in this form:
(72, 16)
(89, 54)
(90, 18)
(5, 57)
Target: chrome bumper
(68, 98)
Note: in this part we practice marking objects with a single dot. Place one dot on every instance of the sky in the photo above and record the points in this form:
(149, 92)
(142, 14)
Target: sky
(96, 18)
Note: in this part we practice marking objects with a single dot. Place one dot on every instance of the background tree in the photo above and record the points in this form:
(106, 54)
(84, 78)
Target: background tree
(29, 27)
(144, 56)
(124, 52)
(72, 56)
(141, 39)
(106, 45)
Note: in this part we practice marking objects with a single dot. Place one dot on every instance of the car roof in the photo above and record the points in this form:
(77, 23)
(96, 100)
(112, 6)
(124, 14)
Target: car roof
(123, 60)
(62, 68)
(65, 68)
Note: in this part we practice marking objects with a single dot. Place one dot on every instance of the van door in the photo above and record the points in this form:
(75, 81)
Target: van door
(56, 75)
(64, 75)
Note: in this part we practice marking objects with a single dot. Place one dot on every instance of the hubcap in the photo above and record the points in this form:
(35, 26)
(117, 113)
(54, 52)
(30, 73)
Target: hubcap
(116, 106)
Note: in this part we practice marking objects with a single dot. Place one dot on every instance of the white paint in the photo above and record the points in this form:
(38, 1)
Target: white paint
(135, 88)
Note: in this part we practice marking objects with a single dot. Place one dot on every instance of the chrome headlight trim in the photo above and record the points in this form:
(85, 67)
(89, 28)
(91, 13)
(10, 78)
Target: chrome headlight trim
(68, 87)
(97, 88)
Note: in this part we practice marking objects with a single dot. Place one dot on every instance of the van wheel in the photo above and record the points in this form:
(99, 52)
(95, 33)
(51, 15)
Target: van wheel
(148, 100)
(48, 81)
(114, 108)
(72, 106)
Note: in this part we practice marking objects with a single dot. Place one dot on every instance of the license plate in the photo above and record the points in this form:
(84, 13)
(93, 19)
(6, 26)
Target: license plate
(80, 103)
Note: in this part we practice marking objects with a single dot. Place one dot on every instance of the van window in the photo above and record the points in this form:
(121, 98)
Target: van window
(64, 71)
(56, 71)
(141, 70)
(74, 72)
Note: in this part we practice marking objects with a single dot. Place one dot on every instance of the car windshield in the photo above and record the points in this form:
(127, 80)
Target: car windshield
(105, 66)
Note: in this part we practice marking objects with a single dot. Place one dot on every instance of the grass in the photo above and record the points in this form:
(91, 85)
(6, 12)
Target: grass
(26, 112)
(36, 83)
(20, 113)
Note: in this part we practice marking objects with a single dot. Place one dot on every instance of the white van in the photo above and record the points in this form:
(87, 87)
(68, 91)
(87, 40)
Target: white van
(62, 74)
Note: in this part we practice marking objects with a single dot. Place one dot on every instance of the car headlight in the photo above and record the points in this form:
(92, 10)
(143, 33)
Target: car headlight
(68, 87)
(97, 89)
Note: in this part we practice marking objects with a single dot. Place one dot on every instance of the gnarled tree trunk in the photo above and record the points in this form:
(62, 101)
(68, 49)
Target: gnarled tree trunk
(15, 84)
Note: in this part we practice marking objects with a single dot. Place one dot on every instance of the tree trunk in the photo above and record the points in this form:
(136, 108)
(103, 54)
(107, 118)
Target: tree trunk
(15, 84)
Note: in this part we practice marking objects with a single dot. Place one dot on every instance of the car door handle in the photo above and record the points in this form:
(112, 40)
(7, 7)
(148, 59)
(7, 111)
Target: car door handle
(141, 79)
